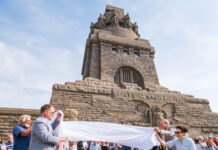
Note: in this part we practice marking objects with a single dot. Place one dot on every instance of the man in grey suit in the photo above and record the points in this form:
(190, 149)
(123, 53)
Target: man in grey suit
(42, 137)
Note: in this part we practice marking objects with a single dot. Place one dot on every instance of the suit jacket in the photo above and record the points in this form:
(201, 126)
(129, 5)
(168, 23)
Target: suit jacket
(42, 137)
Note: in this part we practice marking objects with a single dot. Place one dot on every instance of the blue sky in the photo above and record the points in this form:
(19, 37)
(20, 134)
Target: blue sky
(42, 42)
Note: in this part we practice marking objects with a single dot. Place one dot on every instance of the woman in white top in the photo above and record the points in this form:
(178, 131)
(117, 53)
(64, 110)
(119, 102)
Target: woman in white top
(200, 145)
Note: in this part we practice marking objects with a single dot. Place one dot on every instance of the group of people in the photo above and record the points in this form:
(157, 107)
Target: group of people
(171, 138)
(93, 145)
(40, 136)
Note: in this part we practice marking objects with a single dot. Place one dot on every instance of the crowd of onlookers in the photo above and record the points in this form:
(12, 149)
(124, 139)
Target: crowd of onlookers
(39, 136)
(9, 144)
(94, 145)
(201, 143)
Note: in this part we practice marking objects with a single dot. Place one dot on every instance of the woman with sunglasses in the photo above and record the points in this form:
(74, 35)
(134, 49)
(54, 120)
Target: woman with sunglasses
(182, 142)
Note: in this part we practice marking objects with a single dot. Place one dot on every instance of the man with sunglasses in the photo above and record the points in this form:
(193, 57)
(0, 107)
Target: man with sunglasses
(42, 137)
(182, 142)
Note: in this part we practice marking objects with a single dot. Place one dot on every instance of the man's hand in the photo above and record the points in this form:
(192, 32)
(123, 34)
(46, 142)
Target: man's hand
(63, 139)
(156, 129)
(59, 116)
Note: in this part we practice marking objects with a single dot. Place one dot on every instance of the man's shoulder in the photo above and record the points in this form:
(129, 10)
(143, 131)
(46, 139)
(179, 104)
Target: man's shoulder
(40, 120)
(171, 128)
(18, 128)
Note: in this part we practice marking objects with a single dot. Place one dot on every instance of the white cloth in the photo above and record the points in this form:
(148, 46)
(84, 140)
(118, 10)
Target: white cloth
(58, 130)
(133, 136)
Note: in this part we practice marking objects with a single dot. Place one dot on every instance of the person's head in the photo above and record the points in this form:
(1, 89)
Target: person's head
(47, 111)
(72, 143)
(181, 131)
(210, 143)
(94, 142)
(212, 148)
(200, 138)
(164, 124)
(10, 137)
(210, 136)
(25, 120)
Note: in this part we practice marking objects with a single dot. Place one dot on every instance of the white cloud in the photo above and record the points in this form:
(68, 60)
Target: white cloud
(23, 72)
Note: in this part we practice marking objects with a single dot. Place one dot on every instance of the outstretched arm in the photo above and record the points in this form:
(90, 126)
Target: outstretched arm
(161, 141)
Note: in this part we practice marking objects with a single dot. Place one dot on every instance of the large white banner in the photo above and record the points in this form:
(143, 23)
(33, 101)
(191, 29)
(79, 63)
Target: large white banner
(133, 136)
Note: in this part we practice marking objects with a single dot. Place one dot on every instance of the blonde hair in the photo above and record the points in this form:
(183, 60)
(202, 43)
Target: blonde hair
(23, 118)
(200, 137)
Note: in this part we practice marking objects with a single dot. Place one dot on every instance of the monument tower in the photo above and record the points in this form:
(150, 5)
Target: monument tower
(120, 83)
(115, 52)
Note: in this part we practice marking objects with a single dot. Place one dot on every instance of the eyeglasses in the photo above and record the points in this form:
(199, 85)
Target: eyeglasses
(177, 132)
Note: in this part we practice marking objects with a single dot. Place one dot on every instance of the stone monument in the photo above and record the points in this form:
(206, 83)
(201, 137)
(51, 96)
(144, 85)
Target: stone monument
(120, 84)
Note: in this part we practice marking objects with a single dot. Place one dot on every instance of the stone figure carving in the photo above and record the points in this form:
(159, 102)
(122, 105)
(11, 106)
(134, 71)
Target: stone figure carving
(101, 21)
(114, 18)
(135, 28)
(155, 115)
(127, 23)
(92, 26)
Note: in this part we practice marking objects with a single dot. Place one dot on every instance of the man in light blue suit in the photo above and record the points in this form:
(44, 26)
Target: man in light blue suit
(42, 137)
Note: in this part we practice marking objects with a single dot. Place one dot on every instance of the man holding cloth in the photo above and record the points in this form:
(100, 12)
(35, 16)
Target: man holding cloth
(42, 137)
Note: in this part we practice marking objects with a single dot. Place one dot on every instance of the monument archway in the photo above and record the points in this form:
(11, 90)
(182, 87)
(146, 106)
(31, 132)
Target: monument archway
(127, 74)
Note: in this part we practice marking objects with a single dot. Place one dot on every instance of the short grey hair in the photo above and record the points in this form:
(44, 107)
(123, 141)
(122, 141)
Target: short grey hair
(23, 118)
